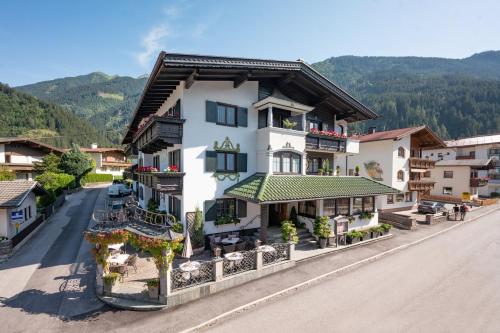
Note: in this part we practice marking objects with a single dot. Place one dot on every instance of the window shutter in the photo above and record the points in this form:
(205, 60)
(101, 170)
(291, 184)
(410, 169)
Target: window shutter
(210, 161)
(178, 209)
(210, 210)
(242, 117)
(242, 162)
(242, 208)
(211, 112)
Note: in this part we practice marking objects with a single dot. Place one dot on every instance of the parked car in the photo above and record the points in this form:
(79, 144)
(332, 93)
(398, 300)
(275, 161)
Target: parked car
(124, 189)
(114, 190)
(428, 207)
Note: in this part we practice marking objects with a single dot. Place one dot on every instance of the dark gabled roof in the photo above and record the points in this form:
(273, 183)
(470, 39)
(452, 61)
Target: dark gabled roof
(431, 139)
(13, 193)
(32, 143)
(263, 188)
(296, 79)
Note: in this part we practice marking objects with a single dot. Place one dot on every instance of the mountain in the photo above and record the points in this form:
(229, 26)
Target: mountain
(455, 97)
(24, 115)
(105, 101)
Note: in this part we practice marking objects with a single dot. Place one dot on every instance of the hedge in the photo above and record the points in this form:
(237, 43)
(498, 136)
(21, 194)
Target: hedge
(56, 182)
(98, 178)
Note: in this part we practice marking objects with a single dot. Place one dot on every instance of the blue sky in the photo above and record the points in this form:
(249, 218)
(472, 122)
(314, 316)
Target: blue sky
(43, 40)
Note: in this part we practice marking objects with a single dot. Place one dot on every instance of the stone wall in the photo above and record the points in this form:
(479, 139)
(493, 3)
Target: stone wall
(398, 220)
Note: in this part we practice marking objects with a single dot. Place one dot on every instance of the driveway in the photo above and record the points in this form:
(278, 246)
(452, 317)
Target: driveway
(51, 278)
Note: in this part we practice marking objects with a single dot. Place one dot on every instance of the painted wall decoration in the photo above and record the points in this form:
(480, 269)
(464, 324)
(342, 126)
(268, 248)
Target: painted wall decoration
(374, 170)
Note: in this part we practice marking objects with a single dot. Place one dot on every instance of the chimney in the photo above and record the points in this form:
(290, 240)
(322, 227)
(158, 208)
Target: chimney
(93, 146)
(372, 129)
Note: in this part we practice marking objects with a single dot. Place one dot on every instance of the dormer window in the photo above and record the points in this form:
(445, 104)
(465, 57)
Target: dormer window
(286, 162)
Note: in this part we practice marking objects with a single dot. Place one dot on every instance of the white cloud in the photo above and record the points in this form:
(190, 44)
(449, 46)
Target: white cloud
(151, 43)
(172, 11)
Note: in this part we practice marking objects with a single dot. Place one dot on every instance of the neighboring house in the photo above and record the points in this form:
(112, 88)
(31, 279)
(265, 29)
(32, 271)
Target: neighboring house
(459, 178)
(480, 149)
(17, 205)
(394, 158)
(243, 133)
(108, 160)
(19, 154)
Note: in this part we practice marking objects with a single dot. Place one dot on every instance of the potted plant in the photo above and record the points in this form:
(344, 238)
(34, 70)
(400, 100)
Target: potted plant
(330, 172)
(376, 231)
(385, 228)
(198, 236)
(320, 172)
(366, 215)
(289, 124)
(322, 230)
(326, 166)
(354, 237)
(153, 288)
(365, 235)
(109, 281)
(289, 232)
(350, 218)
(337, 170)
(356, 170)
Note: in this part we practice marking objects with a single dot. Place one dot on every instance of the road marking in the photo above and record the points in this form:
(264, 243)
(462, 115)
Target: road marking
(324, 276)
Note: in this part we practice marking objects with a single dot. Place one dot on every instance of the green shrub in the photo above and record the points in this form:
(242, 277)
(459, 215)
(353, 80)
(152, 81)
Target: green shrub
(110, 279)
(386, 227)
(6, 174)
(153, 283)
(45, 200)
(495, 195)
(198, 234)
(55, 183)
(178, 227)
(289, 232)
(355, 234)
(98, 178)
(322, 227)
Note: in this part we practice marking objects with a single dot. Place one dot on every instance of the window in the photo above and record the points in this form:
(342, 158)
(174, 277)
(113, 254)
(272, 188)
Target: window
(25, 214)
(401, 152)
(343, 206)
(225, 207)
(174, 206)
(226, 114)
(7, 158)
(174, 158)
(314, 125)
(427, 174)
(329, 207)
(156, 162)
(408, 196)
(313, 165)
(368, 204)
(401, 175)
(29, 211)
(390, 198)
(226, 162)
(141, 193)
(141, 162)
(308, 208)
(357, 205)
(447, 190)
(448, 174)
(286, 162)
(400, 197)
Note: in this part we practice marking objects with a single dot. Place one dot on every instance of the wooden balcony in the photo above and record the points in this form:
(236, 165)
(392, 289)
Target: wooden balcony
(165, 182)
(325, 144)
(159, 133)
(420, 185)
(421, 163)
(478, 182)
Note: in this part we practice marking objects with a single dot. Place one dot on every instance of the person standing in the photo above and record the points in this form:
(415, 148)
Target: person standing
(463, 210)
(456, 210)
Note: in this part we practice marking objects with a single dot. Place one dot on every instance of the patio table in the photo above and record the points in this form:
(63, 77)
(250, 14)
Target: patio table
(234, 258)
(190, 268)
(266, 248)
(118, 259)
(233, 240)
(115, 247)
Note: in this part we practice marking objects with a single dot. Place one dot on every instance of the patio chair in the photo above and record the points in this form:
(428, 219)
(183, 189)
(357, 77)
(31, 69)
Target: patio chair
(229, 248)
(120, 269)
(241, 246)
(132, 261)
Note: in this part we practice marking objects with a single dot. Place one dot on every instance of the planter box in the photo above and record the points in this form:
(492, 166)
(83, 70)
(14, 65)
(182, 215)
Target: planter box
(153, 292)
(322, 242)
(353, 240)
(375, 234)
(108, 289)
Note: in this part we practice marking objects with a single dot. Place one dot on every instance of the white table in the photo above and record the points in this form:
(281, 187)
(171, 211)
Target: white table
(115, 247)
(233, 240)
(118, 259)
(234, 258)
(189, 269)
(266, 248)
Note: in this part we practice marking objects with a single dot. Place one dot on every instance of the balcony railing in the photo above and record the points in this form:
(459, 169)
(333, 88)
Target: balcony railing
(166, 182)
(159, 133)
(478, 182)
(321, 143)
(420, 185)
(421, 163)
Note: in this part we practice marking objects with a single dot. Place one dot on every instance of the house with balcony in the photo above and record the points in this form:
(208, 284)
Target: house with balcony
(394, 158)
(20, 154)
(245, 141)
(108, 160)
(482, 154)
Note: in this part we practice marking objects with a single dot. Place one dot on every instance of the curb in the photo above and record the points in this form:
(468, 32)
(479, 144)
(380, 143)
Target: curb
(324, 276)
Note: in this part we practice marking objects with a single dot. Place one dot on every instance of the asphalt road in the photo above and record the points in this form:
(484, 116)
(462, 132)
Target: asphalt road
(450, 283)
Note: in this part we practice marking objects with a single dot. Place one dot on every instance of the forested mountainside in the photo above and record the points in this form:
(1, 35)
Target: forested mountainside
(105, 101)
(455, 97)
(24, 115)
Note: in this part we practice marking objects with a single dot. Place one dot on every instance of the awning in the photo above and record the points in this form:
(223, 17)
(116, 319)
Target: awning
(263, 188)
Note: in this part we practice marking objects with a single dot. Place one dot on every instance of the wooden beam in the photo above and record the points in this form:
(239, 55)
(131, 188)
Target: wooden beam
(286, 79)
(240, 79)
(191, 78)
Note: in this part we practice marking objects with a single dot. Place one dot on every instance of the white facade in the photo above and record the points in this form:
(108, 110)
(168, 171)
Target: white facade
(28, 209)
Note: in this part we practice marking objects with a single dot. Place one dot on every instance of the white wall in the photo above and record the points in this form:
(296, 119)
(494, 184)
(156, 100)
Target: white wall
(459, 183)
(2, 153)
(8, 227)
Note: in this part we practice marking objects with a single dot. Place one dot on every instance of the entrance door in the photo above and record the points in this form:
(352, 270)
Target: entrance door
(277, 213)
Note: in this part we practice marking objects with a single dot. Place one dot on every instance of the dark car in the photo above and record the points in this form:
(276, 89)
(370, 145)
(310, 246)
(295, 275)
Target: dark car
(428, 207)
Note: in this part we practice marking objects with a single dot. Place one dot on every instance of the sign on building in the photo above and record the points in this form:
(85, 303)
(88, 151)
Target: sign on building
(17, 216)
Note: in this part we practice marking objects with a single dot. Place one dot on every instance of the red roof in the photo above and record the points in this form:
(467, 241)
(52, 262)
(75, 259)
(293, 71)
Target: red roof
(100, 150)
(388, 135)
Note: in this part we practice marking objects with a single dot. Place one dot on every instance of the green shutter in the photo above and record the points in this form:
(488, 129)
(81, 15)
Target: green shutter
(210, 210)
(211, 112)
(210, 161)
(242, 208)
(241, 164)
(242, 117)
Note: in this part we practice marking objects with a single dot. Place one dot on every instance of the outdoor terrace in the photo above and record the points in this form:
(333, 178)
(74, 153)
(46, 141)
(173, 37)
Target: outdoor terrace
(159, 133)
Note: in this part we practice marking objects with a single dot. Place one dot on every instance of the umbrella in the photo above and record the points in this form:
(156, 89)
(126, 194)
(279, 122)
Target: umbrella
(187, 251)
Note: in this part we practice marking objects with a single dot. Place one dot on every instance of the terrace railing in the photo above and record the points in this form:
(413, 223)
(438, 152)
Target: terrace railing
(280, 253)
(181, 279)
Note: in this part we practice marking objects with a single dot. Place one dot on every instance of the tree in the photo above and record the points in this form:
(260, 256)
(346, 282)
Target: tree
(76, 163)
(49, 163)
(6, 174)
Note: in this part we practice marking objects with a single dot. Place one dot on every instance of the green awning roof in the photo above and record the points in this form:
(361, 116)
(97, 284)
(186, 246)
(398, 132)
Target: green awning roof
(263, 188)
